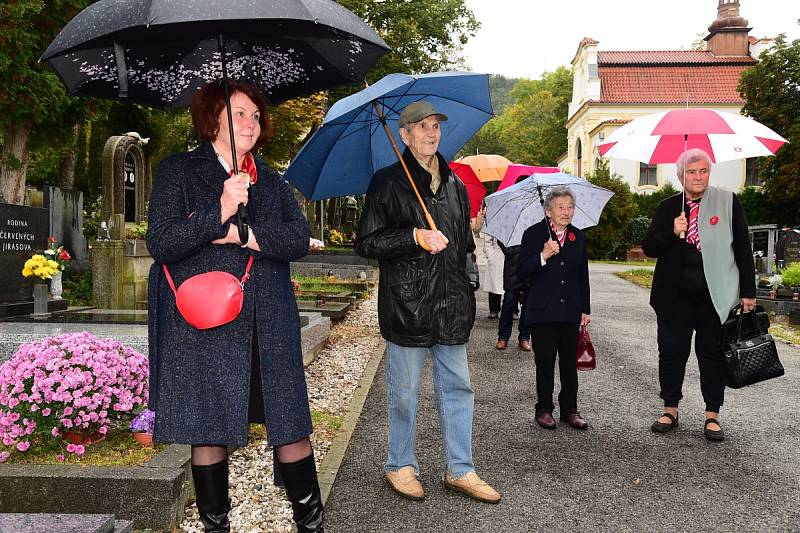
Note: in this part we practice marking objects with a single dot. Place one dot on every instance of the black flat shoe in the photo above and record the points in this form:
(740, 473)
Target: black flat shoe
(661, 427)
(718, 435)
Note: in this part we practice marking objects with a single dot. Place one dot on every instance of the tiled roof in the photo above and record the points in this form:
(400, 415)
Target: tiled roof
(669, 57)
(611, 121)
(671, 84)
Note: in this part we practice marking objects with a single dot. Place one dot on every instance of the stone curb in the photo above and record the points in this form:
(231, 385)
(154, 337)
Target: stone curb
(333, 459)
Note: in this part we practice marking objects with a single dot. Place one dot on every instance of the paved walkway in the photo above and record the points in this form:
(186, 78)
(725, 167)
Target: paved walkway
(617, 476)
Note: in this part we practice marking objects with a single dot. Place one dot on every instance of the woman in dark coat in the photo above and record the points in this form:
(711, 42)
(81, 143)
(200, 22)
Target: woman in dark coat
(557, 271)
(704, 268)
(207, 385)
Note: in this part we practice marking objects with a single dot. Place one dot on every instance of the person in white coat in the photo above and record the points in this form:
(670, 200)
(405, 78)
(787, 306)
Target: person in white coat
(493, 282)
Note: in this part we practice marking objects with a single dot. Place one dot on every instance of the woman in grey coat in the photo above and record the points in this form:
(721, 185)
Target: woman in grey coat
(207, 385)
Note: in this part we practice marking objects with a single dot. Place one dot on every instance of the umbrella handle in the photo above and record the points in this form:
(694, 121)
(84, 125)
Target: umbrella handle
(241, 210)
(425, 211)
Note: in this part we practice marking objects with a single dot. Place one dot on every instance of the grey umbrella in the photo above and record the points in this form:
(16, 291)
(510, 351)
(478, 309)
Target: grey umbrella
(513, 210)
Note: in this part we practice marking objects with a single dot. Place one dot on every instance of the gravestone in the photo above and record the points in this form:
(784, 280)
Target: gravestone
(23, 230)
(792, 247)
(126, 178)
(762, 241)
(66, 220)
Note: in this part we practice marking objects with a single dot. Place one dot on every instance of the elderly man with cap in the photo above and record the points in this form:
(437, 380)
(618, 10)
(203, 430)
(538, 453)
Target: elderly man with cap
(425, 301)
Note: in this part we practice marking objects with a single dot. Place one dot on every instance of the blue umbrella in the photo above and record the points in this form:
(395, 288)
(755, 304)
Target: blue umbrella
(352, 143)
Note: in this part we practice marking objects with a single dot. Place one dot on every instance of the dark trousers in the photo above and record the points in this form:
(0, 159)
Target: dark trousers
(494, 302)
(549, 340)
(674, 345)
(507, 318)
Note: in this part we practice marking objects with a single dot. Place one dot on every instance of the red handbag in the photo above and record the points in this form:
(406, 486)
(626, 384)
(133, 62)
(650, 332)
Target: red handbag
(212, 299)
(585, 357)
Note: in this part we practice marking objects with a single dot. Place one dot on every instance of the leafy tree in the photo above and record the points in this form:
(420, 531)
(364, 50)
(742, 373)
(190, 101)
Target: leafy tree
(533, 128)
(486, 141)
(425, 36)
(607, 239)
(756, 206)
(771, 90)
(648, 203)
(31, 97)
(500, 88)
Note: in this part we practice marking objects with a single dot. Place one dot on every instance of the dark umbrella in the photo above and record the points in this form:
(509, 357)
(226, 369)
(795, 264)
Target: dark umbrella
(160, 52)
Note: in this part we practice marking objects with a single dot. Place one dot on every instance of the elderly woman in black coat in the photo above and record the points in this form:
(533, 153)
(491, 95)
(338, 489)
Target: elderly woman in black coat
(553, 261)
(207, 385)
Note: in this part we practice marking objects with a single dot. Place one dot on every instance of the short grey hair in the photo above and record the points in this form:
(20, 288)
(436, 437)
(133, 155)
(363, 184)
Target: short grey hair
(557, 192)
(692, 155)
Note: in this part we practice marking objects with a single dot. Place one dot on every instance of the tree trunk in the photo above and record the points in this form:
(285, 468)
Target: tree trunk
(70, 159)
(14, 162)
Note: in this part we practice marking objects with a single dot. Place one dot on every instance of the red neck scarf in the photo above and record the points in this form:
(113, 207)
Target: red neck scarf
(248, 166)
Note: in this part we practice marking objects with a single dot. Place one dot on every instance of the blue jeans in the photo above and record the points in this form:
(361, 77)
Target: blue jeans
(454, 403)
(507, 318)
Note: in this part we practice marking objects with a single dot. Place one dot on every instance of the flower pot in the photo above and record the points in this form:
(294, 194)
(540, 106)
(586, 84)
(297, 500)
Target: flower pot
(76, 437)
(56, 288)
(145, 439)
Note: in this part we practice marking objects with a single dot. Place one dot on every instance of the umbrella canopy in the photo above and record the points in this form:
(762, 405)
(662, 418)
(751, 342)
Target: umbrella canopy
(475, 189)
(663, 137)
(513, 210)
(341, 157)
(488, 167)
(513, 172)
(159, 52)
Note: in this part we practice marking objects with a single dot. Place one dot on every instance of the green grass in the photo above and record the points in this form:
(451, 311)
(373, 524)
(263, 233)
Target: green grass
(326, 420)
(640, 276)
(644, 278)
(627, 263)
(117, 449)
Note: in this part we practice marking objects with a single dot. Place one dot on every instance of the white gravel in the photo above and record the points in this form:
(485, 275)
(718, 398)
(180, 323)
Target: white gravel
(257, 505)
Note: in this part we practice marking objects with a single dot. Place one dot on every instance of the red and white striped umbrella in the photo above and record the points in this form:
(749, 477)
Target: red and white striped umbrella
(663, 137)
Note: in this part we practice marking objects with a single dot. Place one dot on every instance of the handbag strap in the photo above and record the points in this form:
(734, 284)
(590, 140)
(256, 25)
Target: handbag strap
(242, 281)
(756, 326)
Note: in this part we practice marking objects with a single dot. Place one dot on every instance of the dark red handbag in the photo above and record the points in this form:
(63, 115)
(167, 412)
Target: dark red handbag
(585, 357)
(212, 299)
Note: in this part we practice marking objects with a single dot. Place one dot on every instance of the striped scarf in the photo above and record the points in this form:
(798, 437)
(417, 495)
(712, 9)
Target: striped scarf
(561, 236)
(692, 232)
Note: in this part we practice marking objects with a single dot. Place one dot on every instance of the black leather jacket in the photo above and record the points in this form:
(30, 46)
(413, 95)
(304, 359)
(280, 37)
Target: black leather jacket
(423, 299)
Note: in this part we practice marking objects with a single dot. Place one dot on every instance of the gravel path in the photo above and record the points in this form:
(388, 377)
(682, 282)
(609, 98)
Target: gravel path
(617, 476)
(257, 505)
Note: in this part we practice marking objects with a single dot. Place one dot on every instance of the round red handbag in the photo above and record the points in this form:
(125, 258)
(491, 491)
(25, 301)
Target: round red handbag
(212, 299)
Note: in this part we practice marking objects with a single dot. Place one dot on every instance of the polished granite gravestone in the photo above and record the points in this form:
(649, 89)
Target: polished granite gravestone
(152, 495)
(62, 523)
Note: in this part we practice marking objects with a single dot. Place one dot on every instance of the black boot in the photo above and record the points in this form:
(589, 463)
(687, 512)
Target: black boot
(302, 488)
(211, 489)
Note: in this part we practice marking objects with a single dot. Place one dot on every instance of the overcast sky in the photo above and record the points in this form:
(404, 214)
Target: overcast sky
(523, 38)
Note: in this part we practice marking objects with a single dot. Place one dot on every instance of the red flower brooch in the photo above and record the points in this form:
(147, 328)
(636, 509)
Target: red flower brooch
(571, 237)
(714, 220)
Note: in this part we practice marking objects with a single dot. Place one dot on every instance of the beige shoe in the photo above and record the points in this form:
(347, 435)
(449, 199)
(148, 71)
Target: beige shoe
(473, 486)
(405, 483)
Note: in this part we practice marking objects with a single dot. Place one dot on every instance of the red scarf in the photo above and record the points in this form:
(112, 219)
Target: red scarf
(248, 166)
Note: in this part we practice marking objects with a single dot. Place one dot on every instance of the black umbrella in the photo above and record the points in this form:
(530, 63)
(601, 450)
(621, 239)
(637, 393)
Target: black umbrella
(160, 52)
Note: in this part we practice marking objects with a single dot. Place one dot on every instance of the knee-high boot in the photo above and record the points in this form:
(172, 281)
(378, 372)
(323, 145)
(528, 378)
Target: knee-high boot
(211, 489)
(302, 488)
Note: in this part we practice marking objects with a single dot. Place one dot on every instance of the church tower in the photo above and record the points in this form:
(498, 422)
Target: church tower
(728, 35)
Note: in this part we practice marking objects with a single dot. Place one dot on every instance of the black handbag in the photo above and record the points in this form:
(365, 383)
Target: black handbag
(750, 328)
(751, 358)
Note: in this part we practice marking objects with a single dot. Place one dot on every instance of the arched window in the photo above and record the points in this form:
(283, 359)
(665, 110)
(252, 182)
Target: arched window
(578, 157)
